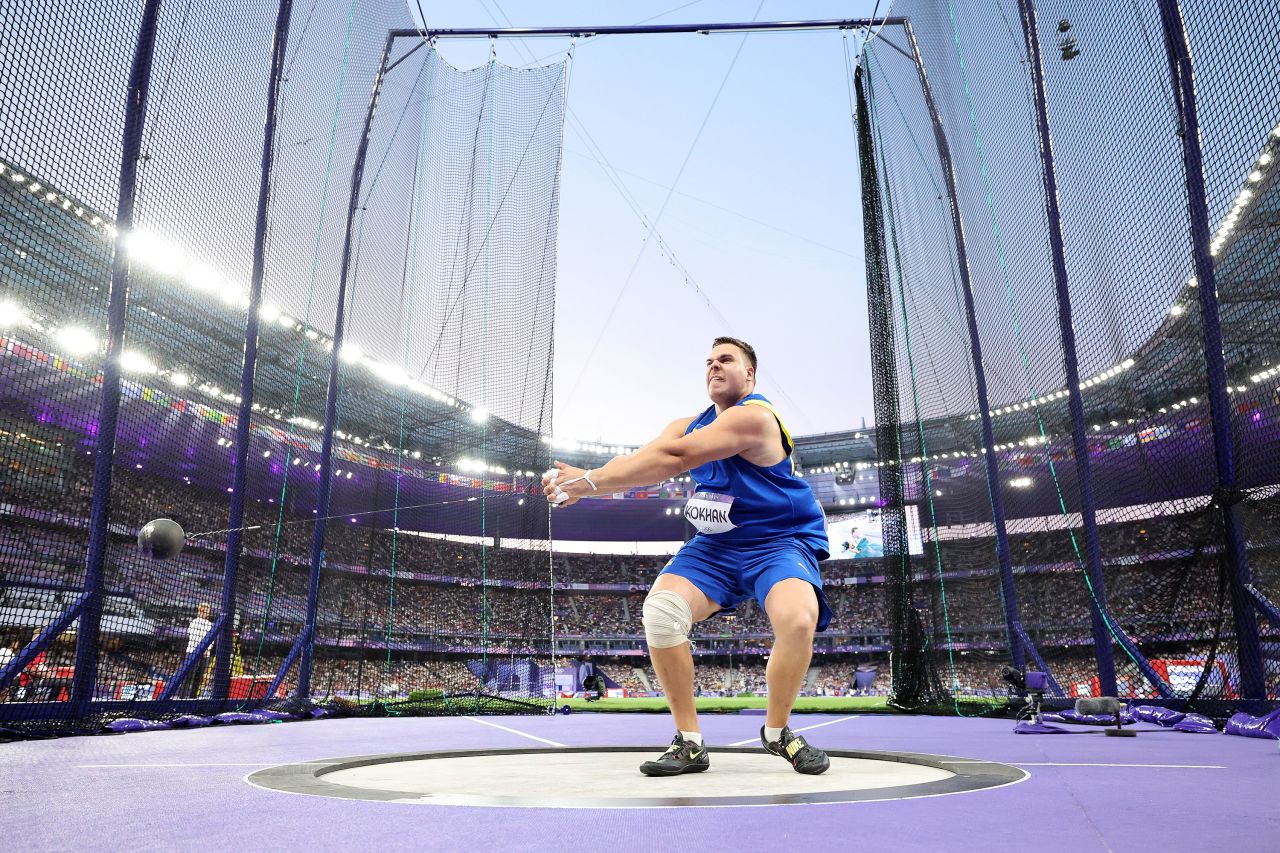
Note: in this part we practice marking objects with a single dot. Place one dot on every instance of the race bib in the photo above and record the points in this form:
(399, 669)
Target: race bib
(709, 512)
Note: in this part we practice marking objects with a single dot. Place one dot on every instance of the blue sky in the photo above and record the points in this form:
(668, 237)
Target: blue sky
(765, 217)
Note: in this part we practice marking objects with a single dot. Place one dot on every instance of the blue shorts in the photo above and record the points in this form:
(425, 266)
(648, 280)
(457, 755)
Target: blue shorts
(730, 574)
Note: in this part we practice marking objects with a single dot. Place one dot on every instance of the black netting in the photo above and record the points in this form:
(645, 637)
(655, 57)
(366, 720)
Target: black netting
(427, 586)
(1158, 588)
(395, 554)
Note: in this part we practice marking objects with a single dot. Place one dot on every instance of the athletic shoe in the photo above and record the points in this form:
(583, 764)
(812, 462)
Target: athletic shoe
(683, 756)
(795, 750)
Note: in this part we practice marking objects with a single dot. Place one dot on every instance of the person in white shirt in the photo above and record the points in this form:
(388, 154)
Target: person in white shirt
(197, 628)
(7, 654)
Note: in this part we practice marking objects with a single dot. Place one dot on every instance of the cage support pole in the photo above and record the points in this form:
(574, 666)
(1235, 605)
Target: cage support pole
(905, 674)
(231, 567)
(307, 640)
(1099, 615)
(135, 115)
(649, 29)
(1227, 496)
(1017, 638)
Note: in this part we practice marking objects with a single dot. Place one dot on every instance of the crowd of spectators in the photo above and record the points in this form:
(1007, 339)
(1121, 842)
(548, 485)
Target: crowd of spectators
(1161, 581)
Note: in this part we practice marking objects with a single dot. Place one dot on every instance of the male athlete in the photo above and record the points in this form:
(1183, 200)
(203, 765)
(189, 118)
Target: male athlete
(760, 534)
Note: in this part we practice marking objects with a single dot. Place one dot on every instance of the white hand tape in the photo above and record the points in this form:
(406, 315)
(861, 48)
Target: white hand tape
(560, 495)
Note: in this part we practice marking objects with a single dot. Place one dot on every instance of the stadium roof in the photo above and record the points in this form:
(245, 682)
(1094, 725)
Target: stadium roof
(186, 328)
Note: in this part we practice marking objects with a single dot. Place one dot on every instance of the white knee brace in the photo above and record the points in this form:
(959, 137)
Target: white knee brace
(667, 619)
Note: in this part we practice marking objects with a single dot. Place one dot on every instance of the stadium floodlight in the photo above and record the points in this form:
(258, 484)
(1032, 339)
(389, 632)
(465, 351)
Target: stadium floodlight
(389, 373)
(153, 252)
(234, 295)
(11, 313)
(269, 312)
(1021, 482)
(479, 415)
(202, 279)
(351, 352)
(132, 361)
(180, 380)
(285, 321)
(76, 340)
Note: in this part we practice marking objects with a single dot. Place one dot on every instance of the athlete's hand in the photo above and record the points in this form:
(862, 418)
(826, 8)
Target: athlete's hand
(566, 480)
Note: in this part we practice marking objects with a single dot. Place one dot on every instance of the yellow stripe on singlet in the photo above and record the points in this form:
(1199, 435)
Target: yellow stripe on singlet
(786, 436)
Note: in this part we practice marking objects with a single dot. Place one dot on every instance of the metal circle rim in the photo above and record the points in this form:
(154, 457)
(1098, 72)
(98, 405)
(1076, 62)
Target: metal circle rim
(307, 778)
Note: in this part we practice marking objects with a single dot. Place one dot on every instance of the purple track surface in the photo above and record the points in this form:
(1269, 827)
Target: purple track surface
(186, 790)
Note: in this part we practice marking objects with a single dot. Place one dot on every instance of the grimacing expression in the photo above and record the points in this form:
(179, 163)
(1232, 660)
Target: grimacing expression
(729, 373)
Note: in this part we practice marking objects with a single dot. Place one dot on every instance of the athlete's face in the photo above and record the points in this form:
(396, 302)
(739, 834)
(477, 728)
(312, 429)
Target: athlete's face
(730, 377)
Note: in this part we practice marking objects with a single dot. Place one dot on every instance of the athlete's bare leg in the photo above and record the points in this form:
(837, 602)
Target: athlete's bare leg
(792, 605)
(674, 665)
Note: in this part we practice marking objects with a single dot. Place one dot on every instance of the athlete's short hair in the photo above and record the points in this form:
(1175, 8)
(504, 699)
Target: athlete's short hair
(740, 344)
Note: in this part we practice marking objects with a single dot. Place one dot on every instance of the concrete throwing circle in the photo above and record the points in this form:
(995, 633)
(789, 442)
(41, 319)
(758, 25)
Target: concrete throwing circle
(608, 777)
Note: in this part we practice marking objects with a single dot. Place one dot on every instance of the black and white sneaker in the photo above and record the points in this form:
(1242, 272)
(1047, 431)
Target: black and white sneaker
(794, 749)
(682, 756)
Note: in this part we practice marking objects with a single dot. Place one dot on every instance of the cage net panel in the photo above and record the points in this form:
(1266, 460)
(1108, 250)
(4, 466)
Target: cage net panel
(1168, 583)
(446, 380)
(63, 93)
(1240, 124)
(440, 586)
(954, 662)
(184, 325)
(331, 61)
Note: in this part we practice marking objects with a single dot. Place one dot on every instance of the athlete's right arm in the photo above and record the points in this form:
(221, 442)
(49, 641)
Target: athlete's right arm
(566, 473)
(675, 429)
(735, 430)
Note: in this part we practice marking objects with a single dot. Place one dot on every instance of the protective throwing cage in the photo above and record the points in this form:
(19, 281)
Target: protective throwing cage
(1070, 218)
(172, 270)
(1071, 237)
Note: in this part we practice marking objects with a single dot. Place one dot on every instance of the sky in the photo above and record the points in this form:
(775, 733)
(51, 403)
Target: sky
(756, 185)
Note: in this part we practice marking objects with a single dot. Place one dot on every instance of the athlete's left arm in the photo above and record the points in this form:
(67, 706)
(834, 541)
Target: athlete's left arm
(735, 430)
